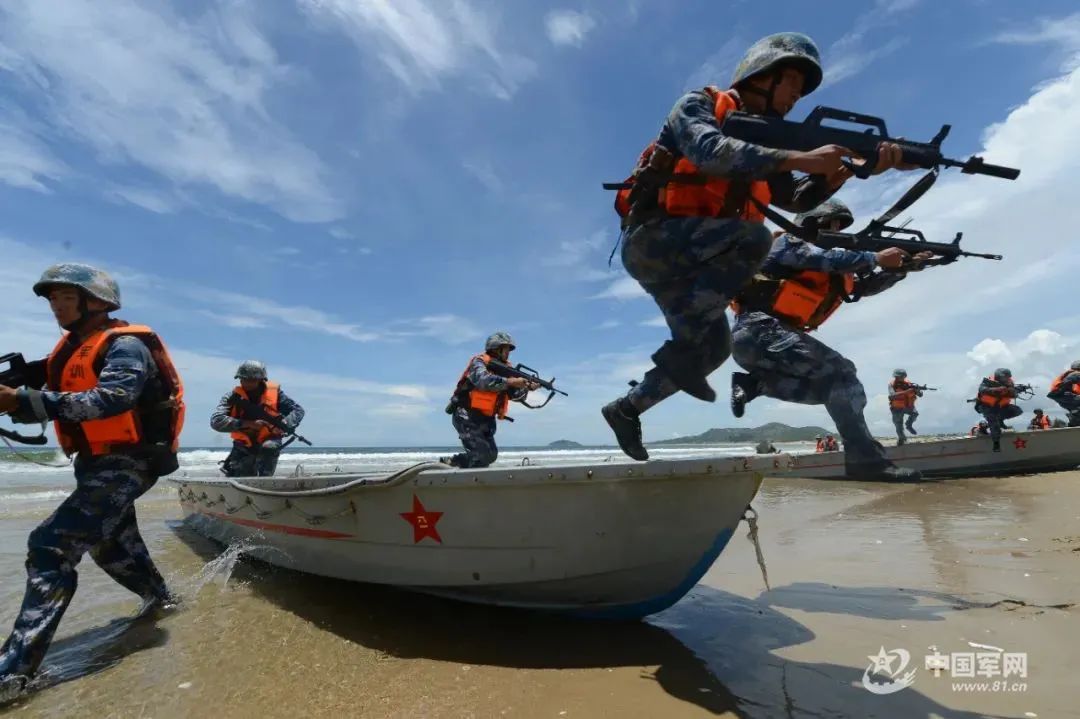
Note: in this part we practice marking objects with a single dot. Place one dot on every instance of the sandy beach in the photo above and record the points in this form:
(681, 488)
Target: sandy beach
(854, 569)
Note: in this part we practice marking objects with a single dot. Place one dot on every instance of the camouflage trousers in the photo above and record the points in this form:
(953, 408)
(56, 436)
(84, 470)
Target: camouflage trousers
(792, 366)
(898, 417)
(258, 461)
(99, 518)
(477, 435)
(997, 416)
(692, 267)
(1071, 405)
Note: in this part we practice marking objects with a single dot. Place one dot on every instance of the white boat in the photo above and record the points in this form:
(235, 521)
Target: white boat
(1047, 450)
(606, 540)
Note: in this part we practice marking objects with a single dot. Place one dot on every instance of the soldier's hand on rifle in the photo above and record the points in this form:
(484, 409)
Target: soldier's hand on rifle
(890, 156)
(918, 262)
(892, 258)
(8, 403)
(825, 160)
(522, 383)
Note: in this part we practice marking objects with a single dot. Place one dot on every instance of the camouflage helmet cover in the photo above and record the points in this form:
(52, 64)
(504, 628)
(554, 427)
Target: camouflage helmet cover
(497, 340)
(1002, 373)
(899, 372)
(1075, 366)
(94, 282)
(251, 369)
(791, 48)
(827, 211)
(1037, 411)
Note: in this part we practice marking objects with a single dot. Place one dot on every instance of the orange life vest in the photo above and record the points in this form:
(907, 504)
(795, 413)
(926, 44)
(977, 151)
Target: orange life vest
(993, 400)
(707, 197)
(269, 402)
(1075, 388)
(904, 401)
(76, 369)
(487, 402)
(820, 446)
(804, 300)
(831, 445)
(1042, 422)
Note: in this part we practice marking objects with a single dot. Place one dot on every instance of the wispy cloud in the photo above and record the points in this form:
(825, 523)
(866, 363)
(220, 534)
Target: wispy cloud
(234, 321)
(658, 321)
(855, 51)
(625, 288)
(1061, 32)
(448, 328)
(152, 200)
(572, 253)
(25, 161)
(718, 67)
(422, 43)
(485, 174)
(185, 99)
(568, 27)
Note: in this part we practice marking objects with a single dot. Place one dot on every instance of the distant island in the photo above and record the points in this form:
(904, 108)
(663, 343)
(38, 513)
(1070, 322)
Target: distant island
(772, 432)
(565, 444)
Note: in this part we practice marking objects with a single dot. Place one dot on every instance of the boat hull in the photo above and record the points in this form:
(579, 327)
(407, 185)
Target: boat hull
(617, 541)
(1021, 453)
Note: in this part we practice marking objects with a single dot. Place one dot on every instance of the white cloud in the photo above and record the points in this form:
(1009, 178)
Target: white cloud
(25, 161)
(625, 288)
(235, 321)
(1061, 32)
(341, 233)
(568, 27)
(717, 68)
(140, 85)
(485, 174)
(148, 199)
(448, 328)
(854, 51)
(608, 324)
(657, 321)
(575, 252)
(422, 43)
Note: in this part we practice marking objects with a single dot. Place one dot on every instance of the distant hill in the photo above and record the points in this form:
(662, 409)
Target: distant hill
(565, 444)
(772, 432)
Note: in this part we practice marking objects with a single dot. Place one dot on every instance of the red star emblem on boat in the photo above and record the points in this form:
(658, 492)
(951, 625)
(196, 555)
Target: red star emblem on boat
(423, 522)
(1020, 443)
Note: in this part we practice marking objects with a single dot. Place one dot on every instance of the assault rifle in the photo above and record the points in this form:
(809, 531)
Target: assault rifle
(20, 373)
(528, 373)
(811, 133)
(880, 235)
(257, 411)
(1023, 391)
(922, 388)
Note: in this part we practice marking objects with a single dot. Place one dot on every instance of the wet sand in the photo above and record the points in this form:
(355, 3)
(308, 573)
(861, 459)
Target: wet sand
(853, 567)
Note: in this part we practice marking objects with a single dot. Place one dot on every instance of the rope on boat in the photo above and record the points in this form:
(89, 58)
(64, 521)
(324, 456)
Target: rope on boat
(750, 516)
(261, 513)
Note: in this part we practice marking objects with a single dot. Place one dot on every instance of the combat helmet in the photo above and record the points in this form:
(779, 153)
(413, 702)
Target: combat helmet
(497, 340)
(251, 369)
(94, 282)
(783, 48)
(827, 211)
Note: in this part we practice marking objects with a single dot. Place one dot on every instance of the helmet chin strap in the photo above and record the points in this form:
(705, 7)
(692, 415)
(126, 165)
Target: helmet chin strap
(769, 94)
(85, 315)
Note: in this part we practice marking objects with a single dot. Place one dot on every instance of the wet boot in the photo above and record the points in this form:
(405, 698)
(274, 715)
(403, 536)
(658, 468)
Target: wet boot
(12, 687)
(625, 422)
(681, 362)
(743, 390)
(901, 441)
(910, 427)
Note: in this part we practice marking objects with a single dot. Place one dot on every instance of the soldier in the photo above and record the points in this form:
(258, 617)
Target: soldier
(995, 402)
(1065, 390)
(982, 428)
(902, 396)
(1039, 420)
(801, 285)
(691, 245)
(117, 404)
(481, 397)
(256, 443)
(831, 444)
(819, 444)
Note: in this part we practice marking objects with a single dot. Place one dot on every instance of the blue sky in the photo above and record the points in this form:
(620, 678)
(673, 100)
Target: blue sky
(359, 192)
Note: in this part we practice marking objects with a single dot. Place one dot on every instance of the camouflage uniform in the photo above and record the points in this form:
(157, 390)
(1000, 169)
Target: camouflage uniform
(98, 517)
(692, 266)
(475, 430)
(996, 417)
(1065, 397)
(260, 461)
(900, 414)
(790, 365)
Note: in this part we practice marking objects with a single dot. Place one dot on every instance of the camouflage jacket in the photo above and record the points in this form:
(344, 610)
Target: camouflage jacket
(221, 421)
(790, 254)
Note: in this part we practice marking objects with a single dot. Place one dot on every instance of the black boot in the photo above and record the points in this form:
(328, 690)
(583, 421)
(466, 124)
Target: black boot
(997, 445)
(743, 390)
(910, 428)
(681, 362)
(901, 441)
(626, 424)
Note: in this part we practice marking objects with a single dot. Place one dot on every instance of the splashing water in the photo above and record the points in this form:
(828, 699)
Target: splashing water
(222, 566)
